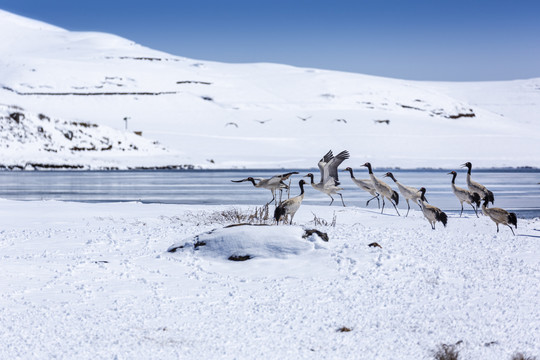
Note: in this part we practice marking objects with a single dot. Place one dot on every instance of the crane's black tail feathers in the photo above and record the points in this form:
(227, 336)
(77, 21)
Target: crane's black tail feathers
(442, 217)
(395, 197)
(476, 199)
(279, 213)
(490, 197)
(512, 219)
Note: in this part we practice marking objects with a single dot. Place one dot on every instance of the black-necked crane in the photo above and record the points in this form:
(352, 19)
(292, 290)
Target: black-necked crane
(499, 216)
(383, 189)
(476, 187)
(328, 166)
(408, 192)
(465, 195)
(274, 183)
(329, 188)
(431, 213)
(289, 206)
(366, 185)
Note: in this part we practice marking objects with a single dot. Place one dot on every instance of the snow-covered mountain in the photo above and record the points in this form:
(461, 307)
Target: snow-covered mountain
(214, 114)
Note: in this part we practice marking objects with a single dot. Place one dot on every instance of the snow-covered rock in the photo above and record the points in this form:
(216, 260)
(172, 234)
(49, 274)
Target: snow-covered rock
(244, 242)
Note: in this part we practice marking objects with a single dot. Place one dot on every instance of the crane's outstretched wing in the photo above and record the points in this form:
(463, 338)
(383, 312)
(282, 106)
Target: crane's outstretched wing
(332, 165)
(246, 179)
(274, 180)
(322, 165)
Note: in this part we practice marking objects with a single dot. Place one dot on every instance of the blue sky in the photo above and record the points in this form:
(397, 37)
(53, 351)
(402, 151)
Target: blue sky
(422, 40)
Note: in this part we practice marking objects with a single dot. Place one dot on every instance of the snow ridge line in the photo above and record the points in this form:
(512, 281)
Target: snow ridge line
(91, 93)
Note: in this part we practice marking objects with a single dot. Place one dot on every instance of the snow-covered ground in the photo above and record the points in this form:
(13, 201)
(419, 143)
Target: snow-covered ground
(219, 115)
(93, 281)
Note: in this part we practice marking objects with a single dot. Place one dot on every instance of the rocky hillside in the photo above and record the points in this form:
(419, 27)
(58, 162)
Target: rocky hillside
(37, 141)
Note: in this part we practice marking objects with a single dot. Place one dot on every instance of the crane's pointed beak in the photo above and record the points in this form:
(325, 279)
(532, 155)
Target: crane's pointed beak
(463, 165)
(450, 173)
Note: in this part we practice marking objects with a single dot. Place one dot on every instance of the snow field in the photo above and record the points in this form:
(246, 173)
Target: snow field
(95, 280)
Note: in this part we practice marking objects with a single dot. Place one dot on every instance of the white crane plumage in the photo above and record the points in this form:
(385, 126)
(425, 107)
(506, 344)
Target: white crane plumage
(274, 183)
(366, 185)
(329, 188)
(289, 206)
(465, 195)
(328, 166)
(476, 187)
(499, 216)
(431, 213)
(383, 189)
(408, 192)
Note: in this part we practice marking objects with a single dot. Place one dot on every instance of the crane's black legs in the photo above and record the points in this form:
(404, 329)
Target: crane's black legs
(378, 201)
(342, 199)
(408, 208)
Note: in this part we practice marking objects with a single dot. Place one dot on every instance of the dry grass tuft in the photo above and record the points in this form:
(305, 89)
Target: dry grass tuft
(259, 215)
(317, 221)
(446, 352)
(521, 356)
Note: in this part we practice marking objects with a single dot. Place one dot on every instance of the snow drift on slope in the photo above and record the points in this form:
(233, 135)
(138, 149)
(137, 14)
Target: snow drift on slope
(265, 115)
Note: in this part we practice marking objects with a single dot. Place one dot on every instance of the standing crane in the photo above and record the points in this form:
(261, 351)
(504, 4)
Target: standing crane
(289, 206)
(408, 192)
(366, 185)
(431, 213)
(465, 195)
(500, 216)
(476, 187)
(383, 189)
(274, 183)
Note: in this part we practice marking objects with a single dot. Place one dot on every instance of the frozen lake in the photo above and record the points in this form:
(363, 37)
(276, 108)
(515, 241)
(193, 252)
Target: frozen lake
(514, 190)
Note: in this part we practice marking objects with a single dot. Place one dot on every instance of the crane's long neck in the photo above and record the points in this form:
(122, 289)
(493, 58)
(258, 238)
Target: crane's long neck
(454, 178)
(351, 171)
(369, 169)
(301, 188)
(253, 182)
(311, 177)
(391, 176)
(422, 197)
(469, 178)
(485, 209)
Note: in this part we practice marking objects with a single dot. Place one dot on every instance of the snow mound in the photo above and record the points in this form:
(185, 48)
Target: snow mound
(244, 242)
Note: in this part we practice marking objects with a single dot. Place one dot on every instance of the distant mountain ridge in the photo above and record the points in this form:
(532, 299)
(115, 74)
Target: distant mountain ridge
(217, 115)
